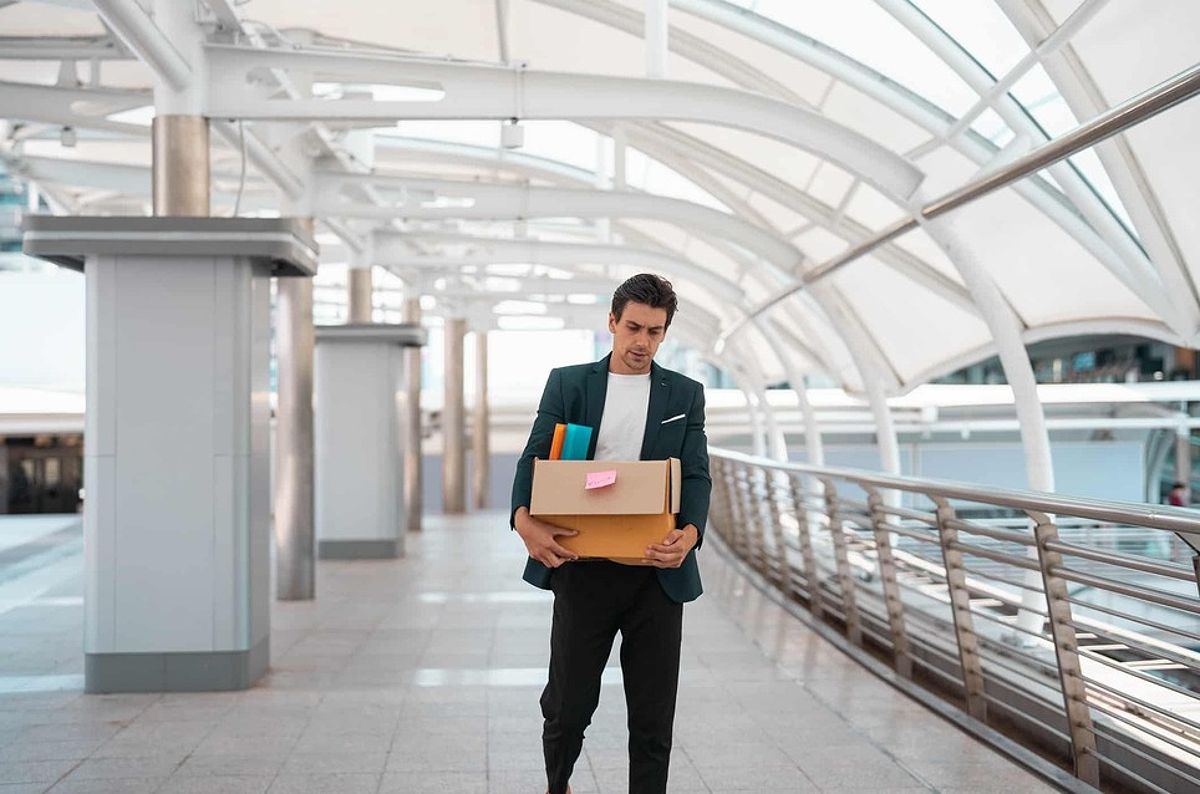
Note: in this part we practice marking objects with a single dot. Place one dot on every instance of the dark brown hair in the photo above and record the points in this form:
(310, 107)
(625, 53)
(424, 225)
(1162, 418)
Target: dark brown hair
(654, 291)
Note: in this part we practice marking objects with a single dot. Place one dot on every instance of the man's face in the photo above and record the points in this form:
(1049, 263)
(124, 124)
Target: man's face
(636, 337)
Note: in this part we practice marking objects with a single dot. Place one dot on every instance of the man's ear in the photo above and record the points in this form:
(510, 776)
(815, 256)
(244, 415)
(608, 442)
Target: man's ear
(612, 323)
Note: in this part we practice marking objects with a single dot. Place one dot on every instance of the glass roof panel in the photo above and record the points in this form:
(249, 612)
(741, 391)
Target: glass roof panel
(864, 31)
(981, 28)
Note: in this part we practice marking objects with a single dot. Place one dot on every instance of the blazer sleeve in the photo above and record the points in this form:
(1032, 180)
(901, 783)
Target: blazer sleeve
(550, 412)
(696, 487)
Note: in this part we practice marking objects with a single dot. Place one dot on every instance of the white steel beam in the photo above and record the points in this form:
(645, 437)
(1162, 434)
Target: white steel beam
(475, 91)
(138, 32)
(392, 249)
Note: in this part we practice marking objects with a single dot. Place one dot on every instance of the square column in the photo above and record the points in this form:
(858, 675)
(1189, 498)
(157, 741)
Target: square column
(361, 387)
(176, 451)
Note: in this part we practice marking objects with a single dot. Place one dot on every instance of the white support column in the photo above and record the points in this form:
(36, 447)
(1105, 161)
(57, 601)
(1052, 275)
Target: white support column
(657, 37)
(1006, 331)
(453, 419)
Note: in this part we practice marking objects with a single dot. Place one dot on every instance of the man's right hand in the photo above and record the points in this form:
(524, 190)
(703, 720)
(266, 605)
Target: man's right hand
(540, 539)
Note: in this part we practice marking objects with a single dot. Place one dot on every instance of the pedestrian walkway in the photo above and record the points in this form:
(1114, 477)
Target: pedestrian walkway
(423, 675)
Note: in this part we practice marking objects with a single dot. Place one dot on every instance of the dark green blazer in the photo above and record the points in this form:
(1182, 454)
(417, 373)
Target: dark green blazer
(576, 395)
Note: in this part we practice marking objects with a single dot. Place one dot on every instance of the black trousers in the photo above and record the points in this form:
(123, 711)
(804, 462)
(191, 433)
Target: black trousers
(593, 600)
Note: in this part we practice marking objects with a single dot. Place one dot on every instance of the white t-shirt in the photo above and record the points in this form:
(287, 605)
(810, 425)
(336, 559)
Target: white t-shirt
(626, 402)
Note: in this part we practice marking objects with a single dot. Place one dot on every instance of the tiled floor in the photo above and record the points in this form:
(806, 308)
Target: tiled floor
(422, 675)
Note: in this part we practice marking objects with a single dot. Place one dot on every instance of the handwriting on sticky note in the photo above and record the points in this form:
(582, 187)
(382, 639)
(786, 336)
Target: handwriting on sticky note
(600, 479)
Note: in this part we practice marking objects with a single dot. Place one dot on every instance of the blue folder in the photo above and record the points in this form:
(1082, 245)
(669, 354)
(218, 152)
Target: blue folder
(576, 442)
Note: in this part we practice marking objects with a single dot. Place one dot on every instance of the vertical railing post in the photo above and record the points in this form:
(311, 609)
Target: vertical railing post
(759, 493)
(783, 570)
(960, 609)
(845, 579)
(807, 558)
(902, 655)
(1066, 652)
(738, 539)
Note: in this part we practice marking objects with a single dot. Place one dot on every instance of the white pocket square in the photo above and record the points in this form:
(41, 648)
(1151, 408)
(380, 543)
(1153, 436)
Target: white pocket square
(672, 419)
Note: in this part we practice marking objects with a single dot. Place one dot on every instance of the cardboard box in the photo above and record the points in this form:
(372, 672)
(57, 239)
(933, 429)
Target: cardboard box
(617, 521)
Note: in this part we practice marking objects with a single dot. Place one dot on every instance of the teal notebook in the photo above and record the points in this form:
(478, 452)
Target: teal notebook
(576, 442)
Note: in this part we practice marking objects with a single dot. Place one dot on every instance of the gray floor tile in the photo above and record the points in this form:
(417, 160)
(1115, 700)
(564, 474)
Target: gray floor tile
(12, 772)
(325, 784)
(423, 675)
(434, 783)
(224, 784)
(74, 785)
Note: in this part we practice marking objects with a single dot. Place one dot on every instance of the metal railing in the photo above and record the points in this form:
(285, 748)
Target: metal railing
(1072, 625)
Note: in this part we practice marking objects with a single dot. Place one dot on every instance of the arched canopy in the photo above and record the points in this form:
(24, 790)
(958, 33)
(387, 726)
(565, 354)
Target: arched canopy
(782, 134)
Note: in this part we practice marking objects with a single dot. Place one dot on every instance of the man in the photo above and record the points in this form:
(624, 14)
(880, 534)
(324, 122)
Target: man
(638, 411)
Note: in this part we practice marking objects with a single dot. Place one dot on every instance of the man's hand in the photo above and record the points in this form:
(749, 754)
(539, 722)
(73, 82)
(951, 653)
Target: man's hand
(540, 539)
(674, 548)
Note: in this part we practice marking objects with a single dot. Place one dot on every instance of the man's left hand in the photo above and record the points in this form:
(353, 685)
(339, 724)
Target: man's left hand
(674, 548)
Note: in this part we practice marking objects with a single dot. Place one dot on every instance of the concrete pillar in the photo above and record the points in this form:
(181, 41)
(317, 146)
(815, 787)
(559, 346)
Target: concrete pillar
(481, 448)
(359, 291)
(411, 424)
(454, 431)
(176, 454)
(360, 387)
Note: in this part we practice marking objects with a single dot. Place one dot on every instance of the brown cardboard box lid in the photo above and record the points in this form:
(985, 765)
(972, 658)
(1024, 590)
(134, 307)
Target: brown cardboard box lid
(644, 487)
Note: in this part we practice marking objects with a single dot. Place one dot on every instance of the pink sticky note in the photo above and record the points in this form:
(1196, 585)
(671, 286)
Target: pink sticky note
(600, 479)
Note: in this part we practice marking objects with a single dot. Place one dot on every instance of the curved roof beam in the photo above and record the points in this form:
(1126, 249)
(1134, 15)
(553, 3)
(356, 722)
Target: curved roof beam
(1133, 326)
(554, 171)
(479, 91)
(518, 202)
(1074, 82)
(390, 250)
(691, 156)
(1082, 194)
(918, 110)
(536, 167)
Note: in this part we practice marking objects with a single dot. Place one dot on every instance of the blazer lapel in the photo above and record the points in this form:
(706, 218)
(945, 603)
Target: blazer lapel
(660, 394)
(595, 392)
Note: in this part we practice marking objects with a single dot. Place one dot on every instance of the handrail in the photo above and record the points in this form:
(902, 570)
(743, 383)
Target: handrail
(1103, 600)
(1173, 519)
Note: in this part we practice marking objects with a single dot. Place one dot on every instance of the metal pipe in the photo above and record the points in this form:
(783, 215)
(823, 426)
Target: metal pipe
(453, 420)
(358, 294)
(180, 165)
(295, 566)
(413, 458)
(1146, 105)
(481, 448)
(138, 32)
(1155, 516)
(1114, 558)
